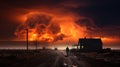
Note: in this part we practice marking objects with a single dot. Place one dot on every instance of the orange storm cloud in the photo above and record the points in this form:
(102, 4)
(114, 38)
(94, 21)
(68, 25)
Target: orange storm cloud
(46, 27)
(53, 27)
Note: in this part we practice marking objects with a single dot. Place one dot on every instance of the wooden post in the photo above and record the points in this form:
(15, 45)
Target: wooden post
(27, 38)
(36, 44)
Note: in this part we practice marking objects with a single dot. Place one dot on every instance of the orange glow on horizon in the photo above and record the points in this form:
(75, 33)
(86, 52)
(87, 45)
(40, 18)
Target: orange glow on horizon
(108, 40)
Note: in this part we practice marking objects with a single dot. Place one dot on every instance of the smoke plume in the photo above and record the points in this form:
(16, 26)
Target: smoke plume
(40, 27)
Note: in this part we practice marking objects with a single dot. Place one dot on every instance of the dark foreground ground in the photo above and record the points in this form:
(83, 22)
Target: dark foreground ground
(48, 58)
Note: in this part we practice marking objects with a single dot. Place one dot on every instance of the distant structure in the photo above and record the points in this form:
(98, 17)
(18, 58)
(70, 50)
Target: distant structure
(90, 44)
(55, 48)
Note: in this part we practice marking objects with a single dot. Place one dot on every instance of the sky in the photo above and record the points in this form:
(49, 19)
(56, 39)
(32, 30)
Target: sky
(60, 21)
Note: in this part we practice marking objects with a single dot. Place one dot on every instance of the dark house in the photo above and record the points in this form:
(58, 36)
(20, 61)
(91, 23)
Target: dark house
(90, 44)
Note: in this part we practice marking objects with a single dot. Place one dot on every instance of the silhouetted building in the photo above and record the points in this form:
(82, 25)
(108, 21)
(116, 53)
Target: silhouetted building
(55, 49)
(90, 44)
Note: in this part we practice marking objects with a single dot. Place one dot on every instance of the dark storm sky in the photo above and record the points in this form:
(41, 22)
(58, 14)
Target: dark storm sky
(105, 13)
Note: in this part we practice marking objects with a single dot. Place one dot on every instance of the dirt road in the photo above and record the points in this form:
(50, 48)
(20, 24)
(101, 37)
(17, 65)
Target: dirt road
(62, 61)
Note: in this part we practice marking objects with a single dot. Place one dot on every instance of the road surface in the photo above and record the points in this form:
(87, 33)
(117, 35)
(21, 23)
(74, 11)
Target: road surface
(62, 61)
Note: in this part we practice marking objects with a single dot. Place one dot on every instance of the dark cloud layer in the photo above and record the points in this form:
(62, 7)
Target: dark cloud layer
(100, 15)
(35, 19)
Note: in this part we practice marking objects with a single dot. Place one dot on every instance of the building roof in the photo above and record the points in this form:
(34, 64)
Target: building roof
(90, 40)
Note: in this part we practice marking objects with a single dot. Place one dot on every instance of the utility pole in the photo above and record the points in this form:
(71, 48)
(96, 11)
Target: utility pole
(36, 44)
(27, 38)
